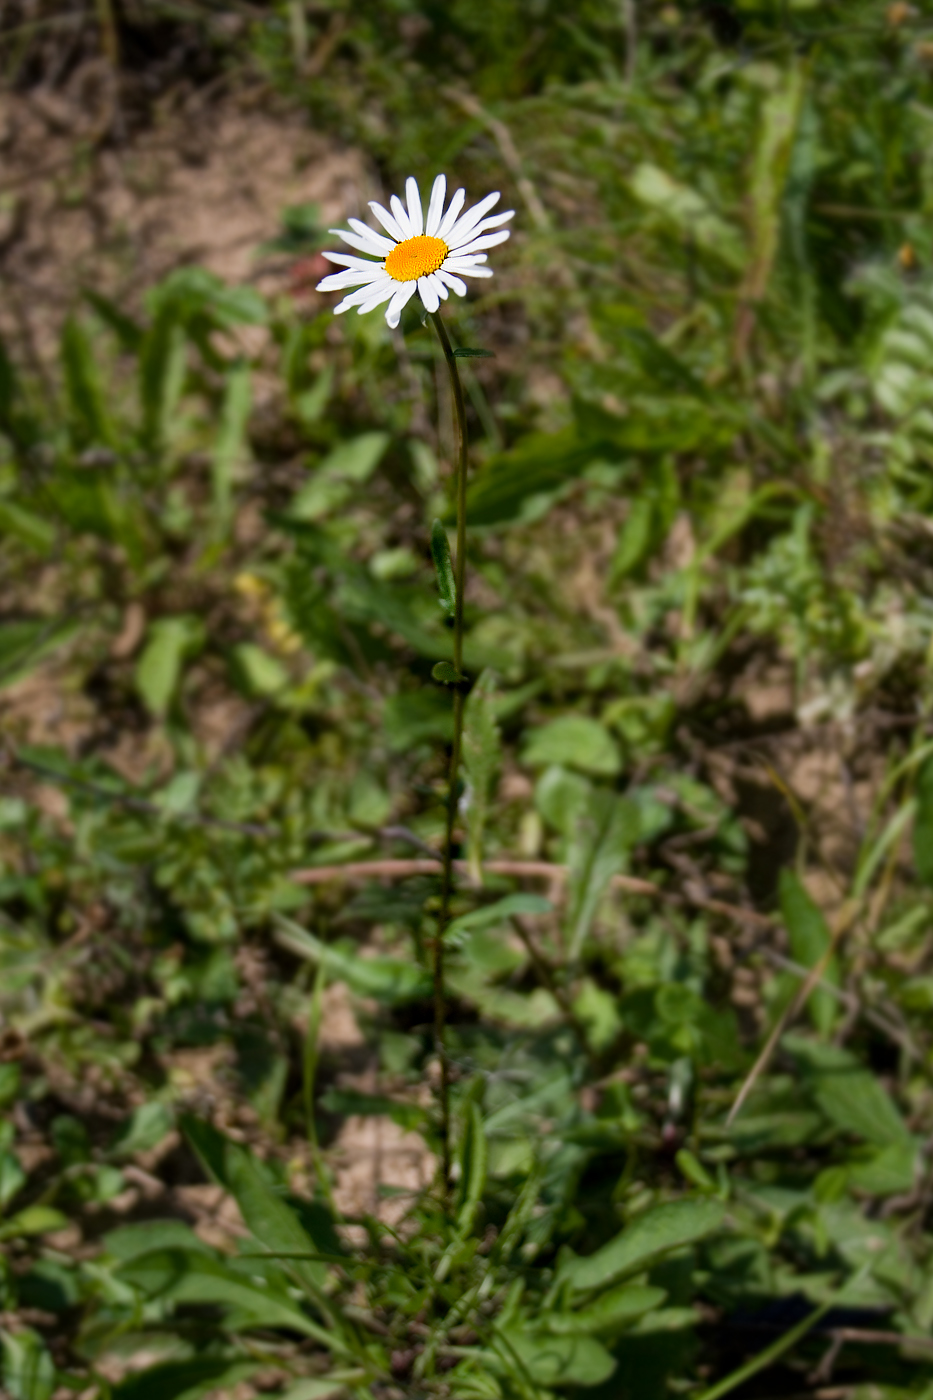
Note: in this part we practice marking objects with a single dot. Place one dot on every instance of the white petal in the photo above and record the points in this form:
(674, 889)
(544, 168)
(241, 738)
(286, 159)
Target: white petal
(427, 294)
(414, 205)
(488, 240)
(473, 216)
(401, 299)
(438, 285)
(453, 282)
(379, 295)
(450, 218)
(365, 245)
(391, 226)
(384, 245)
(457, 239)
(401, 216)
(436, 207)
(336, 281)
(348, 260)
(471, 270)
(464, 260)
(357, 298)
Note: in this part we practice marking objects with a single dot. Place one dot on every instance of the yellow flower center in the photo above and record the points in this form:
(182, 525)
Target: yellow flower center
(415, 258)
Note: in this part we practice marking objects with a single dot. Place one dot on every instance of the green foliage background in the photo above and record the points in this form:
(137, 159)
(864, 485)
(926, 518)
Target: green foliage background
(702, 474)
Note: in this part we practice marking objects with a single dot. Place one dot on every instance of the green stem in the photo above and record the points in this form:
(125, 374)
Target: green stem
(440, 1000)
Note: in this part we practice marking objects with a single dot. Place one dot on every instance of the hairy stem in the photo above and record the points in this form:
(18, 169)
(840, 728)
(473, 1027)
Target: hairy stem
(440, 1001)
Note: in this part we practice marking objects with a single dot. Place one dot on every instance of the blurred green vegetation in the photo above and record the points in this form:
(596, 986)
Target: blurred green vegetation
(699, 630)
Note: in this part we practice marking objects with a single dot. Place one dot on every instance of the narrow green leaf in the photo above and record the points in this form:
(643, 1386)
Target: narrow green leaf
(481, 755)
(489, 915)
(467, 353)
(230, 443)
(923, 824)
(30, 529)
(82, 385)
(440, 553)
(472, 1159)
(809, 940)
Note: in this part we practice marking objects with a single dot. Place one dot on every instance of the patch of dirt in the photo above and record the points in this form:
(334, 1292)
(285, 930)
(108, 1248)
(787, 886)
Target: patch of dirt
(206, 185)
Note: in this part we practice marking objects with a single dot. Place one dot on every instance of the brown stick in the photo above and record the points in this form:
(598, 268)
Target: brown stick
(519, 870)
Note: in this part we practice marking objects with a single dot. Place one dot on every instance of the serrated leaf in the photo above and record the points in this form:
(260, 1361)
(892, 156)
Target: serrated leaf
(444, 569)
(849, 1095)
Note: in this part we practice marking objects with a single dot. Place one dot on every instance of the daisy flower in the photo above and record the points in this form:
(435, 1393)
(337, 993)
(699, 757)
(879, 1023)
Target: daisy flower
(423, 255)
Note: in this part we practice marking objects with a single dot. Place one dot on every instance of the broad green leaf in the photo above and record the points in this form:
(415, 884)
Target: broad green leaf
(892, 1170)
(146, 1127)
(481, 751)
(809, 940)
(574, 741)
(539, 465)
(192, 1276)
(230, 443)
(171, 641)
(644, 1242)
(147, 1236)
(562, 799)
(850, 1096)
(258, 674)
(923, 824)
(83, 385)
(356, 459)
(688, 213)
(550, 1360)
(612, 1311)
(28, 1369)
(34, 1220)
(185, 1380)
(444, 569)
(604, 834)
(12, 1178)
(390, 980)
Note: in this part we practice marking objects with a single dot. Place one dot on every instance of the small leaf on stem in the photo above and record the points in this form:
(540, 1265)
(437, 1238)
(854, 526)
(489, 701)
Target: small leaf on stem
(466, 353)
(440, 553)
(447, 673)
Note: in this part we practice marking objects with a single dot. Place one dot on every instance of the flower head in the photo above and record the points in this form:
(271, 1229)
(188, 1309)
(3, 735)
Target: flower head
(423, 255)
